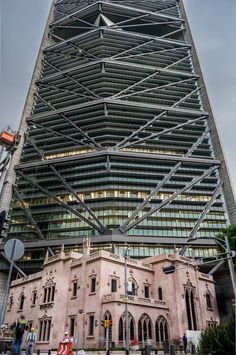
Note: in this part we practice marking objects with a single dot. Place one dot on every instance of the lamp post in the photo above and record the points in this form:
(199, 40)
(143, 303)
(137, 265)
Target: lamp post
(231, 266)
(126, 305)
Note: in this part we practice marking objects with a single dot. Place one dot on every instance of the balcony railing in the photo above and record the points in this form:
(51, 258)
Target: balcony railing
(150, 302)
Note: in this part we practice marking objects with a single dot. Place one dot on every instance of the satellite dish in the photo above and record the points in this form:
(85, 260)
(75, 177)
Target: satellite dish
(14, 249)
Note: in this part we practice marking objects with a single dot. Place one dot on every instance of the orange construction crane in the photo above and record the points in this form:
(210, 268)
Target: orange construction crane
(9, 139)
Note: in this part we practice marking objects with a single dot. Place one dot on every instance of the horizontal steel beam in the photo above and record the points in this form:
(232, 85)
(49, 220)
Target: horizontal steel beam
(131, 34)
(125, 155)
(116, 62)
(116, 238)
(121, 103)
(117, 6)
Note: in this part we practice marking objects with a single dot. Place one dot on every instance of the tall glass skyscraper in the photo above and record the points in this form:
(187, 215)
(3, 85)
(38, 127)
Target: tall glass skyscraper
(120, 143)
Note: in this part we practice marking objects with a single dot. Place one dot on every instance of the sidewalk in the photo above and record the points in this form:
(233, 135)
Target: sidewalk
(111, 353)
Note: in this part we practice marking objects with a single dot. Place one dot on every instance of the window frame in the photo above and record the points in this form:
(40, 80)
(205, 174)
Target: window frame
(113, 282)
(91, 325)
(93, 284)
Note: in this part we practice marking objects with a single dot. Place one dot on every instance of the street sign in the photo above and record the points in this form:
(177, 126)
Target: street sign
(14, 249)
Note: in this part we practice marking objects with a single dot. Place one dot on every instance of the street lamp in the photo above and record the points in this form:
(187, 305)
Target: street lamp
(126, 304)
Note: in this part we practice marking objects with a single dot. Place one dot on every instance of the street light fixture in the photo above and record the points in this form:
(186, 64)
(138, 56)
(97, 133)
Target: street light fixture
(126, 304)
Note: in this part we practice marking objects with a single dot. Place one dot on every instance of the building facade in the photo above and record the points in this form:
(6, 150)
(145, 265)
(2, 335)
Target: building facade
(118, 141)
(75, 293)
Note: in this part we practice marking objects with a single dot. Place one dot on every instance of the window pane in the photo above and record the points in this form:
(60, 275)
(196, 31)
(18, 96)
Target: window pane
(113, 285)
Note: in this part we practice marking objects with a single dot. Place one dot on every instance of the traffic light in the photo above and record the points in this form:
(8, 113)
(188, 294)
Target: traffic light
(4, 220)
(169, 269)
(106, 323)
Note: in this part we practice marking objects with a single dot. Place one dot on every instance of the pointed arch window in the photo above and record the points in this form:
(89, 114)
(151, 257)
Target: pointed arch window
(144, 328)
(131, 326)
(120, 336)
(140, 335)
(132, 288)
(161, 329)
(190, 306)
(208, 300)
(121, 327)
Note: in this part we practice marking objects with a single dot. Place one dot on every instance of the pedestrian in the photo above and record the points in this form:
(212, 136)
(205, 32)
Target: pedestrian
(66, 338)
(21, 326)
(31, 339)
(185, 343)
(181, 345)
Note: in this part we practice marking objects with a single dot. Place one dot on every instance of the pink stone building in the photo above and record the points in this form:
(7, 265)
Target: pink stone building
(76, 292)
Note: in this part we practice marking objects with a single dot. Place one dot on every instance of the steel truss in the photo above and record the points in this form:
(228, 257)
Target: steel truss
(160, 185)
(112, 87)
(60, 202)
(31, 219)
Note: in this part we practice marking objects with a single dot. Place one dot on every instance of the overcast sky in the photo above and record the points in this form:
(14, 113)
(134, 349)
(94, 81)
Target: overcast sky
(213, 26)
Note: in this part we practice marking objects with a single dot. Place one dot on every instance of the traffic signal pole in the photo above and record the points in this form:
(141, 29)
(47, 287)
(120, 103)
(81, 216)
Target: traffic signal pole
(107, 340)
(126, 306)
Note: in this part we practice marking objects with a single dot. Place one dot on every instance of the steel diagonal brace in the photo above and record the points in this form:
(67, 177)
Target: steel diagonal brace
(74, 45)
(81, 203)
(65, 183)
(168, 200)
(55, 87)
(149, 77)
(39, 151)
(216, 267)
(156, 88)
(31, 219)
(117, 24)
(58, 134)
(172, 33)
(154, 52)
(151, 24)
(59, 201)
(95, 145)
(140, 17)
(21, 272)
(165, 131)
(167, 8)
(73, 17)
(122, 143)
(74, 80)
(135, 47)
(166, 178)
(201, 218)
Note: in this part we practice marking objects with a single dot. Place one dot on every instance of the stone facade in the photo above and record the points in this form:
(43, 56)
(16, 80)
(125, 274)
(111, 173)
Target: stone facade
(75, 292)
